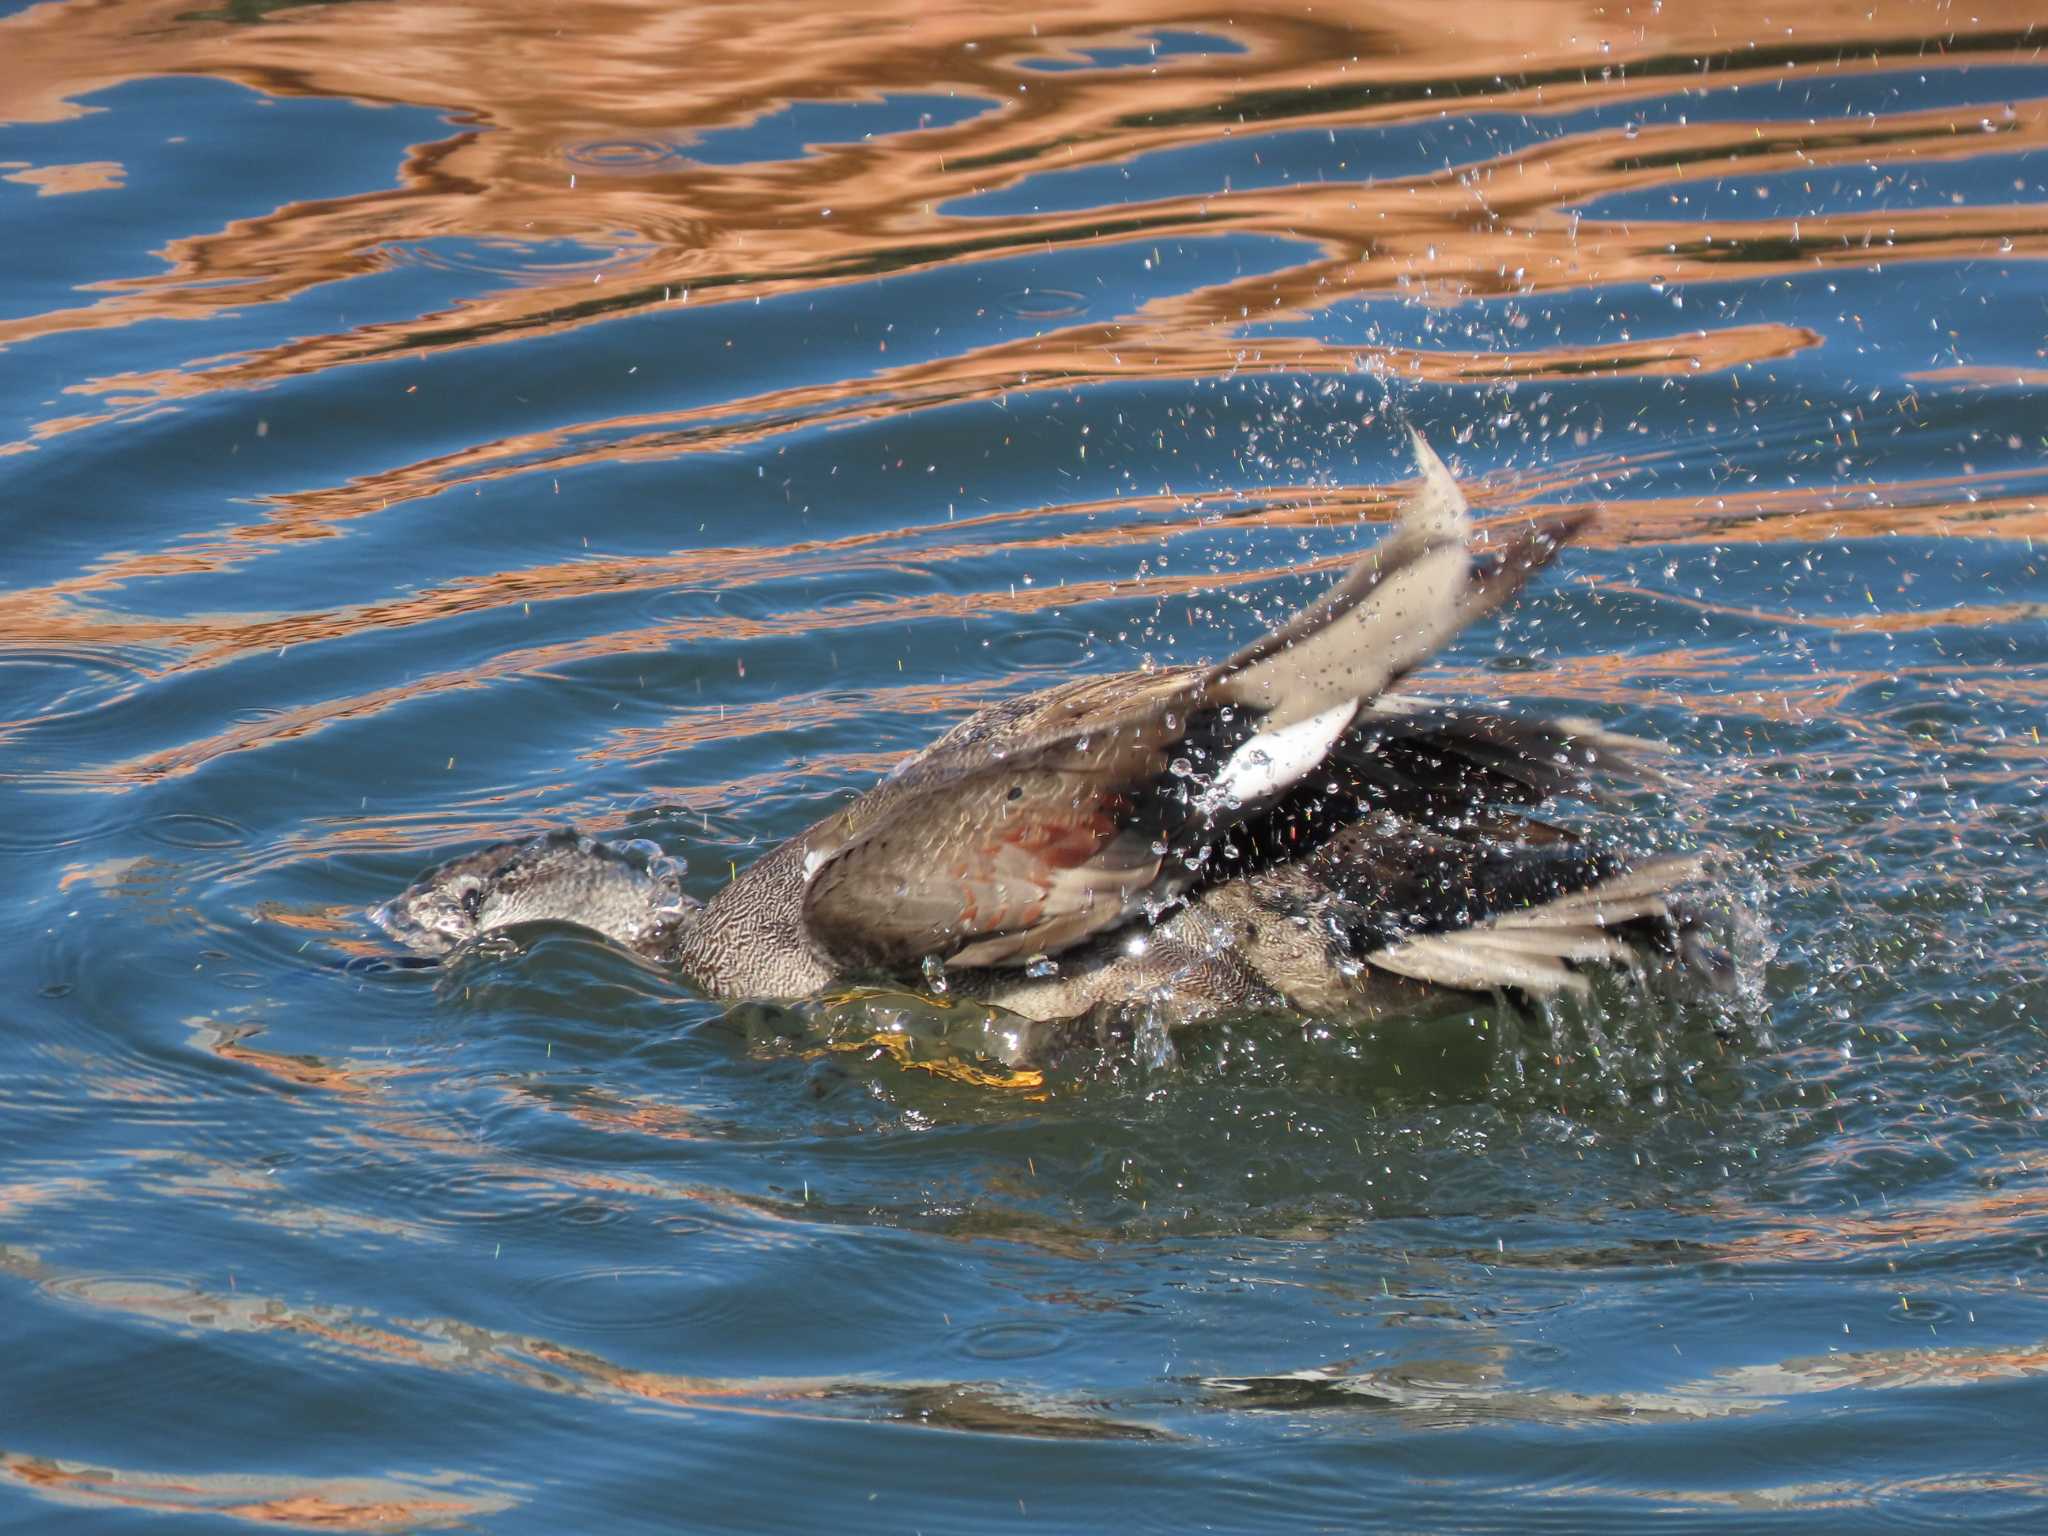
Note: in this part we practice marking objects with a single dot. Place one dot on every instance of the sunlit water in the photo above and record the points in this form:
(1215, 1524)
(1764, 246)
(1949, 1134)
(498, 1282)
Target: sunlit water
(422, 425)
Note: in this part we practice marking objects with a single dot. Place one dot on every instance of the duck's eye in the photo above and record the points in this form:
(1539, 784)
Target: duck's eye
(473, 902)
(1016, 791)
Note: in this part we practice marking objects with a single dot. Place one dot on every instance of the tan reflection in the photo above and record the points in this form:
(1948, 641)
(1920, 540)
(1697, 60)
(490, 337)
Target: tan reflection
(351, 1079)
(58, 180)
(1500, 226)
(527, 104)
(1160, 343)
(1504, 226)
(27, 1194)
(445, 1345)
(1477, 1389)
(1613, 679)
(668, 1122)
(446, 1155)
(386, 1503)
(1967, 615)
(1984, 376)
(49, 614)
(324, 924)
(1818, 1495)
(1885, 1370)
(50, 617)
(1782, 515)
(380, 1121)
(1973, 1217)
(259, 1196)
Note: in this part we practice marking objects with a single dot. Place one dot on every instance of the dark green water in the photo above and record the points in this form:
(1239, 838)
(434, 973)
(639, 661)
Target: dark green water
(423, 426)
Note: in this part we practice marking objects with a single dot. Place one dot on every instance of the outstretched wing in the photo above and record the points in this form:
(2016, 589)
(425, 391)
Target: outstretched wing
(1031, 826)
(1047, 820)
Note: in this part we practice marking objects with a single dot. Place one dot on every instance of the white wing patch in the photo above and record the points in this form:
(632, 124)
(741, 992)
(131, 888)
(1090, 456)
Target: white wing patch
(1272, 760)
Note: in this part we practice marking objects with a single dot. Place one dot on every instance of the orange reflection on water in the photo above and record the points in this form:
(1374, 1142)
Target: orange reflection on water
(52, 616)
(454, 1346)
(59, 180)
(1984, 376)
(25, 1194)
(527, 107)
(1726, 519)
(2016, 1206)
(591, 141)
(1149, 346)
(322, 1504)
(1963, 615)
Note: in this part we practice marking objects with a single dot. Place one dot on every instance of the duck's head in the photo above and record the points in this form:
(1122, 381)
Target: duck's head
(630, 892)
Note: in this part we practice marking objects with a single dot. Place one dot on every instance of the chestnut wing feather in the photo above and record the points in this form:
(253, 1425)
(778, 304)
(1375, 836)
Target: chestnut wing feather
(1024, 864)
(1011, 836)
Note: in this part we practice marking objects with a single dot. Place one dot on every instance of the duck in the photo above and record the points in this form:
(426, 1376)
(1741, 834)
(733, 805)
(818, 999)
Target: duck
(1286, 829)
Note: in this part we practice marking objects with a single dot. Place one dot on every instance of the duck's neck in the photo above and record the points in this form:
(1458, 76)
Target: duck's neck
(750, 940)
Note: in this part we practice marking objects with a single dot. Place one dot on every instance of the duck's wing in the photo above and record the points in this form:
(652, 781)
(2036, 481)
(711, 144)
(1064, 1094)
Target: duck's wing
(1425, 758)
(1050, 819)
(1022, 832)
(1510, 903)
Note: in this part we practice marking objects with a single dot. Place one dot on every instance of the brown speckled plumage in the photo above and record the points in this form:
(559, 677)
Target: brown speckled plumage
(1275, 831)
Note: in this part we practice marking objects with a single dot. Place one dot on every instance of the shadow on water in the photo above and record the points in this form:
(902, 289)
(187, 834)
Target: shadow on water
(422, 426)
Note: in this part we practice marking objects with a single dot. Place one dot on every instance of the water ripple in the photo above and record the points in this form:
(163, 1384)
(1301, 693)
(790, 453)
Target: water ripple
(425, 429)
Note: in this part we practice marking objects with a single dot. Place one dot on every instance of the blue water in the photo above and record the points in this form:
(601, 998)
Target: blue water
(418, 430)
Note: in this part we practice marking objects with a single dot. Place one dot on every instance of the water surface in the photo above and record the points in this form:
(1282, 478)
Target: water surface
(423, 425)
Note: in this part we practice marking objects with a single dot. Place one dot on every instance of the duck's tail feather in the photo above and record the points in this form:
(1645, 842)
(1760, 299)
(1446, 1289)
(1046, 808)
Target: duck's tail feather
(1620, 919)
